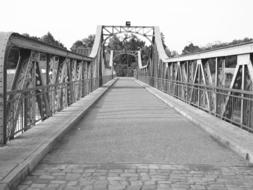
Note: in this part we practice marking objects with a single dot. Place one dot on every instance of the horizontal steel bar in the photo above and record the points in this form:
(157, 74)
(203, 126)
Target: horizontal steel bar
(238, 49)
(122, 26)
(203, 86)
(28, 43)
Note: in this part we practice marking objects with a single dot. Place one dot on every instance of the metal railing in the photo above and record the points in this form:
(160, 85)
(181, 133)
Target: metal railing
(235, 106)
(58, 97)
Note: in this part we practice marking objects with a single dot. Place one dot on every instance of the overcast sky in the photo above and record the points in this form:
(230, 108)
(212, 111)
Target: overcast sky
(182, 21)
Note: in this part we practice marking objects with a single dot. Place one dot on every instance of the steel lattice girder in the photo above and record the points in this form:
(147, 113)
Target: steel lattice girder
(36, 89)
(204, 74)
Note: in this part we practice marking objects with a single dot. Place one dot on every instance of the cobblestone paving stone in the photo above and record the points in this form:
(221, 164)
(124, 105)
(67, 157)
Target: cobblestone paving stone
(138, 177)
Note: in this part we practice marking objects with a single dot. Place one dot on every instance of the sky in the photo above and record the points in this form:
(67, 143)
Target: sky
(200, 22)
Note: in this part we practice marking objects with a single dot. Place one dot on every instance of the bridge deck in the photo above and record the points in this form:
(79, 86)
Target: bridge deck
(132, 140)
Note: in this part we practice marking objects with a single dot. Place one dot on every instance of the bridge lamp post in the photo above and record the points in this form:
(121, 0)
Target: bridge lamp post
(128, 24)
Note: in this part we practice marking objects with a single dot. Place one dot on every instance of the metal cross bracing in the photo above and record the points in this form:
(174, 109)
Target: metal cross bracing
(219, 81)
(145, 31)
(37, 80)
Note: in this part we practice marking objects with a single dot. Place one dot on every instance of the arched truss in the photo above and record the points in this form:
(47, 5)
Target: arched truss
(36, 80)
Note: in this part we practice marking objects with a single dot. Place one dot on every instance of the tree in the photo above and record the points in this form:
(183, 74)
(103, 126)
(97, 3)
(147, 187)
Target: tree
(32, 37)
(115, 43)
(174, 53)
(76, 45)
(84, 44)
(170, 53)
(49, 39)
(125, 64)
(134, 43)
(89, 41)
(212, 46)
(191, 48)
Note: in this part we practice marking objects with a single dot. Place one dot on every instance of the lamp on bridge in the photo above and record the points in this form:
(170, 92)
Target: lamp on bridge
(128, 23)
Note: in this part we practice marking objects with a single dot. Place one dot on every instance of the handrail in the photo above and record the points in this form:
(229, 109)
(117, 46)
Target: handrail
(205, 86)
(21, 41)
(221, 52)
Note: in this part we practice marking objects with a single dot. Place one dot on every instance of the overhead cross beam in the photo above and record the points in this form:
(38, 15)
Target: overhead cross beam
(111, 30)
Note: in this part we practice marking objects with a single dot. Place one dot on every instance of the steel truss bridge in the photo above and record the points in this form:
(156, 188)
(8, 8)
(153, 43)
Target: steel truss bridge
(38, 80)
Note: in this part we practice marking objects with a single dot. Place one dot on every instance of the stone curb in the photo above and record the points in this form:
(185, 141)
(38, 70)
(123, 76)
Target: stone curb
(19, 172)
(229, 135)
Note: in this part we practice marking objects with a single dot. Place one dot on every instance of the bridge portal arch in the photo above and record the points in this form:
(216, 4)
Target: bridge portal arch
(157, 58)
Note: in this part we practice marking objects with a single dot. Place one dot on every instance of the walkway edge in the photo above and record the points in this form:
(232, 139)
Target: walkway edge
(232, 136)
(21, 169)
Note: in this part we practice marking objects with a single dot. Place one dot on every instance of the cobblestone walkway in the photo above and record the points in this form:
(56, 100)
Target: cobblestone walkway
(113, 147)
(138, 177)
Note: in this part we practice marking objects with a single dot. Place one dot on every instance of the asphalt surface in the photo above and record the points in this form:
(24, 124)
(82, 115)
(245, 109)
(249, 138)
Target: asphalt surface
(130, 125)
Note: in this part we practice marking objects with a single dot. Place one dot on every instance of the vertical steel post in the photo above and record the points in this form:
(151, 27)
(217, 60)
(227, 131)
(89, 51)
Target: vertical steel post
(199, 78)
(242, 95)
(100, 67)
(215, 85)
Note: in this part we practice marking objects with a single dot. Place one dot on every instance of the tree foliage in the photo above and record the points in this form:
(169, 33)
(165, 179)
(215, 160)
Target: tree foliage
(89, 41)
(125, 64)
(224, 44)
(32, 37)
(85, 43)
(47, 38)
(191, 48)
(115, 43)
(170, 53)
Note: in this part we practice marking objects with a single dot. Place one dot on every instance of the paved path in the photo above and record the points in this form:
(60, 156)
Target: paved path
(132, 140)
